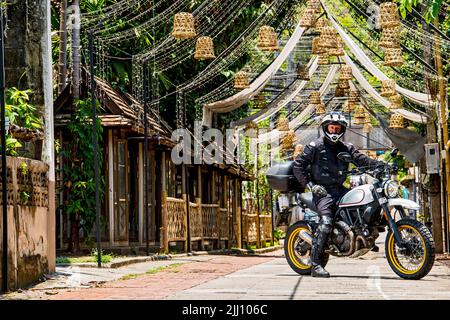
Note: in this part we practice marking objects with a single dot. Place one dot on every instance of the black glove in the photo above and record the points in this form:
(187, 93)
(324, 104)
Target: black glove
(318, 190)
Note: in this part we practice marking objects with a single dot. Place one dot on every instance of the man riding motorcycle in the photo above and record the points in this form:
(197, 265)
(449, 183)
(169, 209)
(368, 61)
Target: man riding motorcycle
(319, 168)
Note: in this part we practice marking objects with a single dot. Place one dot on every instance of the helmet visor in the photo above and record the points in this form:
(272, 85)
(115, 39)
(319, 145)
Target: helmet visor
(336, 128)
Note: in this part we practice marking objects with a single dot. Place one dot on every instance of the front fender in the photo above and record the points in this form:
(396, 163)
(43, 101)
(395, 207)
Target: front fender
(405, 203)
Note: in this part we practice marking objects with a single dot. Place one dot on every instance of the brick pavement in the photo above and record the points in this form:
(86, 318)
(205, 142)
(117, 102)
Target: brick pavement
(166, 282)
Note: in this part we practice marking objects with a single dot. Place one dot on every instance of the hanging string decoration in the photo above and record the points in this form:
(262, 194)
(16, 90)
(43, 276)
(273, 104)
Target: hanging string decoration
(241, 80)
(283, 124)
(328, 37)
(340, 92)
(267, 39)
(320, 24)
(393, 57)
(288, 140)
(389, 16)
(346, 73)
(316, 48)
(343, 84)
(396, 101)
(348, 107)
(314, 100)
(314, 5)
(259, 101)
(396, 121)
(359, 115)
(323, 60)
(390, 37)
(388, 88)
(183, 26)
(204, 49)
(338, 51)
(308, 18)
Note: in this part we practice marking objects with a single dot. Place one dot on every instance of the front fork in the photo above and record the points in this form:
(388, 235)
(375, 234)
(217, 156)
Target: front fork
(392, 225)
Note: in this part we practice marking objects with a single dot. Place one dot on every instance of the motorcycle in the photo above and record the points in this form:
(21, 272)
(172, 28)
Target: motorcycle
(363, 213)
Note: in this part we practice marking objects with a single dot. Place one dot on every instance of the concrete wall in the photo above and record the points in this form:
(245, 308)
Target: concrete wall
(28, 248)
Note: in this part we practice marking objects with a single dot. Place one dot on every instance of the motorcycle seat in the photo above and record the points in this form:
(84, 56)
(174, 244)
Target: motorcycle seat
(307, 198)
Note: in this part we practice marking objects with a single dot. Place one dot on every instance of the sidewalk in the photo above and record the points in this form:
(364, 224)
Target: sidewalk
(69, 281)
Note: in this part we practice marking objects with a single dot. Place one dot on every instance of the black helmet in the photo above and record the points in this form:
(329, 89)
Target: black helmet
(334, 117)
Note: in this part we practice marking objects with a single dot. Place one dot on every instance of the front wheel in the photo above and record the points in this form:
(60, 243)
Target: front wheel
(297, 251)
(415, 259)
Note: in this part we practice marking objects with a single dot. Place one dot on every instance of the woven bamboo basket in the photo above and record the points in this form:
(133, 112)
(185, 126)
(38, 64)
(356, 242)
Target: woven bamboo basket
(323, 60)
(302, 72)
(320, 108)
(349, 107)
(283, 124)
(390, 37)
(354, 96)
(204, 49)
(393, 57)
(183, 26)
(340, 92)
(241, 80)
(396, 121)
(316, 47)
(346, 73)
(314, 98)
(267, 40)
(314, 5)
(320, 24)
(367, 128)
(308, 18)
(388, 88)
(389, 16)
(328, 37)
(338, 51)
(288, 140)
(359, 115)
(366, 118)
(343, 84)
(396, 101)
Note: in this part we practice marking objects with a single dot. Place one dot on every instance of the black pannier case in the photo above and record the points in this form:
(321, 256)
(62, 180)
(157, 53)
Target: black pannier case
(280, 177)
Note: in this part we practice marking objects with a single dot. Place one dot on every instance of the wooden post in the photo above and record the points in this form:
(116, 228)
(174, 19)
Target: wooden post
(200, 213)
(238, 214)
(227, 214)
(187, 226)
(164, 231)
(438, 225)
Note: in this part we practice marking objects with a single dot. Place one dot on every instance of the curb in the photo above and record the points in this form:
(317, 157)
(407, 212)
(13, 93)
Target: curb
(160, 257)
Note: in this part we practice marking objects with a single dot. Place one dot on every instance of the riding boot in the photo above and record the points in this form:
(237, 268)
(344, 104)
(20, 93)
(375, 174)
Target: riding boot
(317, 251)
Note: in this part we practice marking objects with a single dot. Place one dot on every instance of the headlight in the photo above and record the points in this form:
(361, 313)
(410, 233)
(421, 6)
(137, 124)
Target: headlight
(391, 189)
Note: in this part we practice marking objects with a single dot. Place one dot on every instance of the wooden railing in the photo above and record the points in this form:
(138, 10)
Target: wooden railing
(210, 221)
(176, 225)
(195, 218)
(224, 224)
(250, 223)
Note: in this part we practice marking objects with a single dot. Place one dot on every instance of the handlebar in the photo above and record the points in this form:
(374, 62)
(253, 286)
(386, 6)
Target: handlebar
(376, 171)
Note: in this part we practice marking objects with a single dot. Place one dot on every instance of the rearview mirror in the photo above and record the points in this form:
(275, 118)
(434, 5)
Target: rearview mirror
(344, 156)
(394, 152)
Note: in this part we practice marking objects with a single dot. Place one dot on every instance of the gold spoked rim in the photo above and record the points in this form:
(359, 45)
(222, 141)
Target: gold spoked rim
(411, 260)
(294, 241)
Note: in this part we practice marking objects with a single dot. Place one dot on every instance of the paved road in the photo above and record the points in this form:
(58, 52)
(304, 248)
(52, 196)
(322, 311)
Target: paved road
(267, 276)
(368, 277)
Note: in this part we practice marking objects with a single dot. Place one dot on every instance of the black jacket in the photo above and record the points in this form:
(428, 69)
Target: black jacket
(319, 163)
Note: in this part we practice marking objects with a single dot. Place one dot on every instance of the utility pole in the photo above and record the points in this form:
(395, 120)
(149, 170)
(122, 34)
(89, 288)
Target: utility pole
(443, 114)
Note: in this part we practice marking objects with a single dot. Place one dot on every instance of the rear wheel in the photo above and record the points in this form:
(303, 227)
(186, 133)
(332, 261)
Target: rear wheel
(297, 251)
(415, 259)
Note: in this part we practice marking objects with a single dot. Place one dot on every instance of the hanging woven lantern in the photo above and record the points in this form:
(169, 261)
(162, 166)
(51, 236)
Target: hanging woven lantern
(328, 37)
(388, 88)
(367, 128)
(338, 51)
(314, 5)
(359, 115)
(204, 49)
(366, 118)
(288, 140)
(389, 16)
(283, 124)
(396, 101)
(346, 73)
(396, 121)
(348, 107)
(316, 47)
(354, 96)
(323, 60)
(320, 108)
(267, 40)
(340, 92)
(259, 101)
(390, 37)
(183, 26)
(314, 98)
(302, 72)
(308, 18)
(320, 24)
(343, 84)
(241, 80)
(393, 57)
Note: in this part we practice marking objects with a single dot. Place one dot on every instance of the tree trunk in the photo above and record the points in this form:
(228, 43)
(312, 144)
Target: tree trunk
(62, 66)
(74, 241)
(76, 63)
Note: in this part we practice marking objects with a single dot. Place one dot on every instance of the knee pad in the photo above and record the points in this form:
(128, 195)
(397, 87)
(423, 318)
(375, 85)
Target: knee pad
(326, 224)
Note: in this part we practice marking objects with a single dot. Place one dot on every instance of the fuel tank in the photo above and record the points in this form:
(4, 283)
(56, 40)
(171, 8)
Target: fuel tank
(358, 196)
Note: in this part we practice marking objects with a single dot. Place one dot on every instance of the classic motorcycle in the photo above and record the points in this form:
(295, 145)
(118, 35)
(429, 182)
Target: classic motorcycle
(363, 213)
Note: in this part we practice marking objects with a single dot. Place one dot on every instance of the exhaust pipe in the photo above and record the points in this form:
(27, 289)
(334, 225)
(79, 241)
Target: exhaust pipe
(305, 236)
